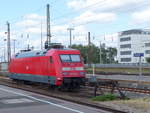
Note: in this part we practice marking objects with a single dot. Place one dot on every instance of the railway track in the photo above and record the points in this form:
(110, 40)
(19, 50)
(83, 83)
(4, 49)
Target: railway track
(136, 90)
(76, 97)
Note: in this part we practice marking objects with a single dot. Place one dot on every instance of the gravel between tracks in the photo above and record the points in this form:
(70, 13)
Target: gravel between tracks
(141, 105)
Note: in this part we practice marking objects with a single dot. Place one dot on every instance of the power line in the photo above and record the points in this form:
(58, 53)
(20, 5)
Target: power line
(92, 21)
(100, 4)
(72, 13)
(97, 3)
(131, 9)
(20, 17)
(96, 20)
(83, 8)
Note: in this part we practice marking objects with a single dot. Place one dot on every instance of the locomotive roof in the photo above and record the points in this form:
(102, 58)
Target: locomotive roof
(31, 53)
(36, 53)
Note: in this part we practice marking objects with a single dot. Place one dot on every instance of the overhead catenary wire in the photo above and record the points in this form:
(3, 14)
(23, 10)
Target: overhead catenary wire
(97, 3)
(83, 23)
(129, 9)
(90, 21)
(100, 4)
(80, 9)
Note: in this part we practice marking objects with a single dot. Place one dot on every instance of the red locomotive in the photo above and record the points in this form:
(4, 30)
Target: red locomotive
(57, 66)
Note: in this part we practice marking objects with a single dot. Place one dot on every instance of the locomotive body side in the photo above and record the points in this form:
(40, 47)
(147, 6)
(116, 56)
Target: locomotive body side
(48, 68)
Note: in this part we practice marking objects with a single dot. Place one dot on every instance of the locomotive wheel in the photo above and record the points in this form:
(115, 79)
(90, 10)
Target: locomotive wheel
(51, 87)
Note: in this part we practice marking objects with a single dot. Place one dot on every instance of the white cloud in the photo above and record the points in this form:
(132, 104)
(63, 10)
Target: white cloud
(141, 17)
(102, 11)
(33, 30)
(34, 17)
(110, 40)
(59, 29)
(76, 4)
(94, 17)
(31, 20)
(27, 23)
(104, 5)
(80, 35)
(61, 34)
(2, 34)
(31, 24)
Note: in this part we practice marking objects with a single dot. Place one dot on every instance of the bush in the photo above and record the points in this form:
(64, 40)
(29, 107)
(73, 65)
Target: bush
(106, 97)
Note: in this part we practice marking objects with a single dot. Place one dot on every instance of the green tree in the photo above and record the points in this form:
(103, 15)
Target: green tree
(91, 54)
(148, 60)
(112, 53)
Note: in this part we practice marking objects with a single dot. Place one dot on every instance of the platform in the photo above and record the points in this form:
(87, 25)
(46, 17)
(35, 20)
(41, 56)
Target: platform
(18, 101)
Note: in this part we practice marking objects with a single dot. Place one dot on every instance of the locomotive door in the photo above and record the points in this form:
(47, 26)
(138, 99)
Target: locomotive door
(51, 66)
(51, 71)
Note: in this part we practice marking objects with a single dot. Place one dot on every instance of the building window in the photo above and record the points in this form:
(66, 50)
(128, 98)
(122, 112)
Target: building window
(147, 44)
(125, 39)
(146, 32)
(125, 59)
(125, 46)
(147, 52)
(129, 32)
(125, 53)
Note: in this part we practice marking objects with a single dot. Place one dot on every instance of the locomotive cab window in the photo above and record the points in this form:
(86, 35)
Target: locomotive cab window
(70, 58)
(75, 58)
(51, 59)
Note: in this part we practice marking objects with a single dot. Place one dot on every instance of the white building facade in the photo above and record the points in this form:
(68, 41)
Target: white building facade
(131, 42)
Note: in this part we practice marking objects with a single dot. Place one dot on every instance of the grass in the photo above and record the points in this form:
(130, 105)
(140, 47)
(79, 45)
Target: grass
(140, 103)
(106, 97)
(4, 74)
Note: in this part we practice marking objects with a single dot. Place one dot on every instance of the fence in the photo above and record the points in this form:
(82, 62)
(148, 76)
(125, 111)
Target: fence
(144, 65)
(3, 66)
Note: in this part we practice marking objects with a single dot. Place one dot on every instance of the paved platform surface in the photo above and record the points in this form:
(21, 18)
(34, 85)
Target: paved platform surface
(123, 77)
(18, 101)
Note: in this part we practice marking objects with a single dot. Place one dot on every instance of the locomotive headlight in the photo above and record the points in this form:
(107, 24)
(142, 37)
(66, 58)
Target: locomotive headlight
(59, 78)
(79, 68)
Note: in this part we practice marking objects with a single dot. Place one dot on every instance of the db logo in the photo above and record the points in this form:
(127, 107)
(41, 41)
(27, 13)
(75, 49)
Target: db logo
(27, 67)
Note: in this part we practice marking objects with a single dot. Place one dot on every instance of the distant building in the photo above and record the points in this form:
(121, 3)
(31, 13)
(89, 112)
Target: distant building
(133, 41)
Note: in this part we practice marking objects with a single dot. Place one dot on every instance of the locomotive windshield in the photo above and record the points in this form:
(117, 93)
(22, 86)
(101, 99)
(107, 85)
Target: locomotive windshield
(70, 58)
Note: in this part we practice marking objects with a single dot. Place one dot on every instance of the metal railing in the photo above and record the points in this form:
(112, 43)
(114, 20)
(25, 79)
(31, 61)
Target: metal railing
(135, 65)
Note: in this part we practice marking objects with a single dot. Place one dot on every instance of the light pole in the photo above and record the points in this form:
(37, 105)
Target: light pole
(100, 56)
(41, 37)
(14, 45)
(4, 55)
(70, 32)
(5, 50)
(8, 43)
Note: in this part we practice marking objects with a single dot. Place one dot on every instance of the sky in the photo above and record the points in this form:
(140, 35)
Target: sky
(103, 18)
